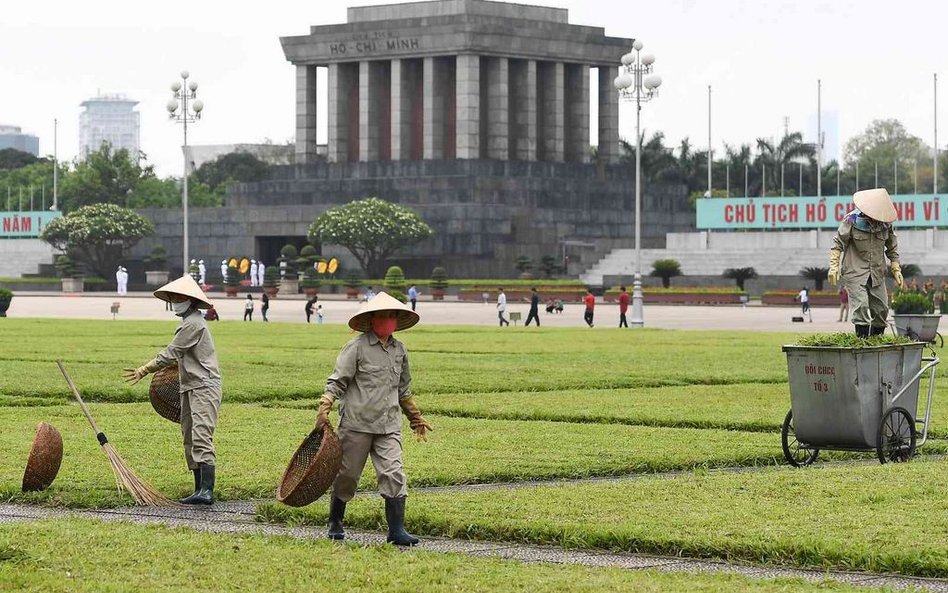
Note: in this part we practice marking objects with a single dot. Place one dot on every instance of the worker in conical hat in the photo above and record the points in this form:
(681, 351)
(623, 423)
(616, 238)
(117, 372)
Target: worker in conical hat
(199, 374)
(372, 381)
(863, 242)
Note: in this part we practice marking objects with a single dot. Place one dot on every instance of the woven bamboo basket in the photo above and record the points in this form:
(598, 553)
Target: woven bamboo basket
(312, 469)
(165, 393)
(46, 456)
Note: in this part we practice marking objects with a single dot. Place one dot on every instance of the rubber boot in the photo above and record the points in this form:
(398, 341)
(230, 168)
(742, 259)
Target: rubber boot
(337, 510)
(197, 480)
(876, 330)
(395, 516)
(862, 331)
(205, 491)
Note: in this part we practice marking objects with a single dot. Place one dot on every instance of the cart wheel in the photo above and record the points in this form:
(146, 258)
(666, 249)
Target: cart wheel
(938, 340)
(797, 454)
(896, 440)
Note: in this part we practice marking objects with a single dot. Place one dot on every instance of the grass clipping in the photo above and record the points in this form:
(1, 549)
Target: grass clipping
(850, 340)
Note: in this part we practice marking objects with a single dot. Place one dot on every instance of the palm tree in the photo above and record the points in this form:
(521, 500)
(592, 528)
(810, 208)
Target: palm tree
(790, 150)
(816, 274)
(666, 269)
(740, 275)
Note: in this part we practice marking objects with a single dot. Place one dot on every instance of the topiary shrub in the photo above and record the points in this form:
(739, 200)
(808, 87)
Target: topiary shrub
(395, 283)
(66, 267)
(156, 261)
(6, 296)
(911, 303)
(524, 264)
(289, 254)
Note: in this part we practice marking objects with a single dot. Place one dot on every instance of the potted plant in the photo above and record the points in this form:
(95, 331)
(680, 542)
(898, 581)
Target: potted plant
(524, 264)
(395, 283)
(439, 282)
(155, 272)
(914, 316)
(352, 282)
(310, 283)
(232, 281)
(308, 255)
(271, 281)
(5, 297)
(72, 278)
(289, 282)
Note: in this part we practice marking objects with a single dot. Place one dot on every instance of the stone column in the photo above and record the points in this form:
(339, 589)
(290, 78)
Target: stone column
(523, 88)
(306, 94)
(401, 111)
(608, 115)
(577, 113)
(498, 108)
(338, 113)
(468, 92)
(551, 103)
(433, 112)
(368, 112)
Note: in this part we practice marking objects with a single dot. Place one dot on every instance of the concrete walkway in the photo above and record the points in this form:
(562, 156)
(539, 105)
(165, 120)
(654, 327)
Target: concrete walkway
(239, 517)
(337, 310)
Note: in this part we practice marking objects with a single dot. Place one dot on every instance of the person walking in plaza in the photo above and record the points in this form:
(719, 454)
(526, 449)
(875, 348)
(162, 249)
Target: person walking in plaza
(319, 314)
(534, 307)
(248, 308)
(264, 305)
(843, 304)
(590, 301)
(501, 307)
(804, 297)
(372, 381)
(413, 296)
(864, 240)
(308, 308)
(369, 294)
(192, 349)
(624, 299)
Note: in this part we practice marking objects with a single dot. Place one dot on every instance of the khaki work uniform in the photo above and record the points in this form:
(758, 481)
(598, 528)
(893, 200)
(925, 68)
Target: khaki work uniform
(370, 379)
(193, 350)
(863, 269)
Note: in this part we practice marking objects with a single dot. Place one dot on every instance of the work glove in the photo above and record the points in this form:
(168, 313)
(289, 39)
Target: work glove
(322, 414)
(833, 274)
(417, 422)
(133, 376)
(897, 274)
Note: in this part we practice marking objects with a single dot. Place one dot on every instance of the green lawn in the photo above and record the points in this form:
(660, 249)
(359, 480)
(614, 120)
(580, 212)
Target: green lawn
(255, 443)
(87, 556)
(872, 517)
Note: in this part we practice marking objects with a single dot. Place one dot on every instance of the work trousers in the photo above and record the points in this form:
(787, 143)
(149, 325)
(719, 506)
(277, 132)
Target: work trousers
(844, 311)
(869, 304)
(534, 315)
(198, 419)
(386, 451)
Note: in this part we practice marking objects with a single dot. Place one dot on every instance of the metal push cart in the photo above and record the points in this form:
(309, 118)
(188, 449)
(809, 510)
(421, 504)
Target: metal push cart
(857, 399)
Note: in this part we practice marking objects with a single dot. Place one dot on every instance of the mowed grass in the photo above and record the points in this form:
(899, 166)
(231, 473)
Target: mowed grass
(261, 362)
(83, 555)
(891, 518)
(254, 445)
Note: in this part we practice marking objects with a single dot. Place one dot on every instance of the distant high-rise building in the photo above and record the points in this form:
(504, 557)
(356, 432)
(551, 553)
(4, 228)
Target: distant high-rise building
(112, 119)
(13, 137)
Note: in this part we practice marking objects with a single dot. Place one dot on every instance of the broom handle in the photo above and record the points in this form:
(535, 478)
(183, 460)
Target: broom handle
(75, 393)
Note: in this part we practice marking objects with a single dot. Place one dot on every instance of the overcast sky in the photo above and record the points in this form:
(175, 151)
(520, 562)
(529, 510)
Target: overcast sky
(762, 57)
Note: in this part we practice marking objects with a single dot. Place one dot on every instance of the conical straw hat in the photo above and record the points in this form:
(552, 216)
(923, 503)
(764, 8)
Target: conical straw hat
(186, 286)
(361, 321)
(876, 204)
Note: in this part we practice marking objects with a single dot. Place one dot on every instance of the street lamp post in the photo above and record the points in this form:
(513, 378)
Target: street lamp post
(185, 93)
(633, 84)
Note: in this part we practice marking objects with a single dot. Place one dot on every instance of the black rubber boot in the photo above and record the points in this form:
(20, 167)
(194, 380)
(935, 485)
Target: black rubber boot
(197, 479)
(395, 516)
(877, 330)
(205, 491)
(862, 331)
(337, 510)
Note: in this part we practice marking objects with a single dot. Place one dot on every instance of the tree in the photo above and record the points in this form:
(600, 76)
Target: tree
(524, 264)
(106, 176)
(240, 167)
(789, 151)
(11, 158)
(371, 229)
(666, 269)
(98, 235)
(884, 143)
(550, 265)
(816, 274)
(740, 275)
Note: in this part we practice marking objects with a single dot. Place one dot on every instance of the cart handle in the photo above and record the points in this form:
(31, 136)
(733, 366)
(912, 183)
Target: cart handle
(932, 362)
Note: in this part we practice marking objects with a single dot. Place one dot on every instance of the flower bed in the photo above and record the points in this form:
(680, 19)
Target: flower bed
(685, 296)
(565, 294)
(824, 298)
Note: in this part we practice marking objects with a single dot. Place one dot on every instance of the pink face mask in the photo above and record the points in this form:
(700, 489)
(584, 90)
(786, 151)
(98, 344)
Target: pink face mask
(384, 326)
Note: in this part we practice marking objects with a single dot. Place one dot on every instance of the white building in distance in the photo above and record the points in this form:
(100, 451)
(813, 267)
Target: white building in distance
(112, 119)
(13, 137)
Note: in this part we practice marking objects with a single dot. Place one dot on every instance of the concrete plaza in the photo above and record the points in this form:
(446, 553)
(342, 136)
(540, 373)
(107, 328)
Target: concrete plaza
(336, 309)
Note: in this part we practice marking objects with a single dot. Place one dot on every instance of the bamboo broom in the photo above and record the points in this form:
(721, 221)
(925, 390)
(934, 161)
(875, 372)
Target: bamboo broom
(143, 492)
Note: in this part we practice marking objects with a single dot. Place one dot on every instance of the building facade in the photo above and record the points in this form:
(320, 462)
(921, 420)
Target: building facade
(13, 137)
(474, 113)
(111, 119)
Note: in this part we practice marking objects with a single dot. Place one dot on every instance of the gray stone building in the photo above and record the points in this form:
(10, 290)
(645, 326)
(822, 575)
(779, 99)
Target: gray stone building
(477, 114)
